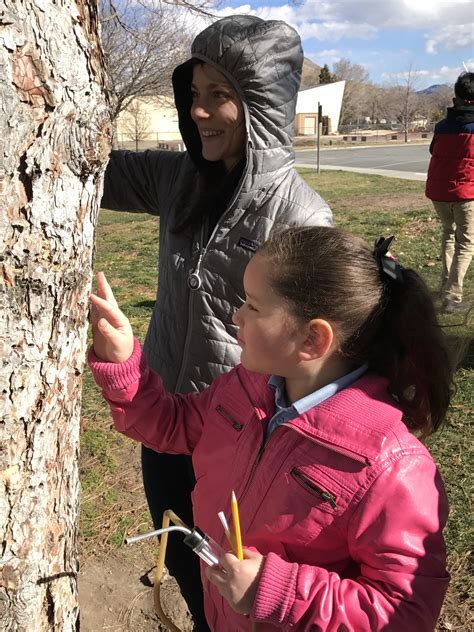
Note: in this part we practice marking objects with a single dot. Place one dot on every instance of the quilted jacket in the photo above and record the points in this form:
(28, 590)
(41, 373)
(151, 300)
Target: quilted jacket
(191, 338)
(345, 503)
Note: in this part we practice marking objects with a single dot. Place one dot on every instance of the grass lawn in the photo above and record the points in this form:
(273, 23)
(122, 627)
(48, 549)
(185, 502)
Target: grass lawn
(112, 500)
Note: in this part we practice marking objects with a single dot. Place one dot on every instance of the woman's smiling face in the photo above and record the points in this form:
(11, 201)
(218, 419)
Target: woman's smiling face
(219, 116)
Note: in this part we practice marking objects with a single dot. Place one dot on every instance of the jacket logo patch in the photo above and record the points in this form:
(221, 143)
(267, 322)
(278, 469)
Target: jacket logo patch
(249, 244)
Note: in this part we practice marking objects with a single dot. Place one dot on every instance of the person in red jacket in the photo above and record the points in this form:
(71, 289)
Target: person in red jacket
(450, 186)
(342, 508)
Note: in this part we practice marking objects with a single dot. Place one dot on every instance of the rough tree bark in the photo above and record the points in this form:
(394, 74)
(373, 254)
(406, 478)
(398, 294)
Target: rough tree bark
(55, 137)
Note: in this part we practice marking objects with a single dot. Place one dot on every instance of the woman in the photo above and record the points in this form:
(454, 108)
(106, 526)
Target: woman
(217, 202)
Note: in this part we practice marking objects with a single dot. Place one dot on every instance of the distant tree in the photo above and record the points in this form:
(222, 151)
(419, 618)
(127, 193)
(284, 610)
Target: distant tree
(406, 101)
(136, 122)
(434, 105)
(356, 78)
(325, 76)
(372, 103)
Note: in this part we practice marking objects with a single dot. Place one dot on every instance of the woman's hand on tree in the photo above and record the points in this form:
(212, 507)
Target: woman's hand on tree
(238, 585)
(111, 329)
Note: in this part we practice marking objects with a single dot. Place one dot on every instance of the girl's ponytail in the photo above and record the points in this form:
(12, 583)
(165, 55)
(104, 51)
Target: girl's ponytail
(411, 352)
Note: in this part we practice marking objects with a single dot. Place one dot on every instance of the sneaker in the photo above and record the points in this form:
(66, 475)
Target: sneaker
(455, 307)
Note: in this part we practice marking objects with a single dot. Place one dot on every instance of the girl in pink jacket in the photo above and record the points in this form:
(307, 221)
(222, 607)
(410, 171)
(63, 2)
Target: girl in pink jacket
(342, 507)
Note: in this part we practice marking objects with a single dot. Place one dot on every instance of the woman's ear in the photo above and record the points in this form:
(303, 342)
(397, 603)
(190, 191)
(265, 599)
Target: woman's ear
(318, 341)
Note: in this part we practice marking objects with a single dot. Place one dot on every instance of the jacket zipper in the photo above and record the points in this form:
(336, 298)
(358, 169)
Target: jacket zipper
(254, 467)
(224, 413)
(190, 322)
(196, 273)
(312, 487)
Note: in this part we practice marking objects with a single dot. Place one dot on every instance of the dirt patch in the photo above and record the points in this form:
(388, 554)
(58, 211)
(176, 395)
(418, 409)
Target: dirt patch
(113, 595)
(114, 578)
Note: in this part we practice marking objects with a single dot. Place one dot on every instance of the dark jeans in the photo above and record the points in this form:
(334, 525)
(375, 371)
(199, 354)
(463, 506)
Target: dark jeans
(168, 480)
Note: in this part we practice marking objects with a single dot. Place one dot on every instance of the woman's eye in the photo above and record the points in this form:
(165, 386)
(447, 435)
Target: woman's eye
(194, 94)
(221, 95)
(251, 307)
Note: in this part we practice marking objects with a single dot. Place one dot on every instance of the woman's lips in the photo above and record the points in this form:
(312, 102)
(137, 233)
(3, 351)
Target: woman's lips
(210, 133)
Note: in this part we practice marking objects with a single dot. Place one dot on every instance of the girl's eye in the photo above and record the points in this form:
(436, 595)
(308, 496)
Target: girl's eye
(221, 95)
(194, 94)
(251, 307)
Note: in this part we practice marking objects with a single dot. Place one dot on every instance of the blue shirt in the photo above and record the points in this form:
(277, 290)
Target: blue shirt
(284, 413)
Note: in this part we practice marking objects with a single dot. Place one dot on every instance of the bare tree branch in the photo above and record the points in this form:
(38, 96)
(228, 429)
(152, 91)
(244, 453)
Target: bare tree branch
(143, 41)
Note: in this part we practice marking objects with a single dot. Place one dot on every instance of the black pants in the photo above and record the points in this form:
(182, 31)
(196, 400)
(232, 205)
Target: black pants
(168, 480)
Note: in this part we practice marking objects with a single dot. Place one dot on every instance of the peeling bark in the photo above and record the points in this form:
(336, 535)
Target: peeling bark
(54, 141)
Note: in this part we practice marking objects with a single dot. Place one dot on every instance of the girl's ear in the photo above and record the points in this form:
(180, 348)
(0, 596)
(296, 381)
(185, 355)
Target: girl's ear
(318, 341)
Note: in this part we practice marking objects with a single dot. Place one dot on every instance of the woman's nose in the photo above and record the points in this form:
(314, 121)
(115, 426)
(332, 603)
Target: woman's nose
(199, 111)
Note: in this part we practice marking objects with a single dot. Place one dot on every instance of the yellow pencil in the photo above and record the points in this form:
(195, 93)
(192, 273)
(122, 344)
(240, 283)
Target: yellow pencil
(237, 533)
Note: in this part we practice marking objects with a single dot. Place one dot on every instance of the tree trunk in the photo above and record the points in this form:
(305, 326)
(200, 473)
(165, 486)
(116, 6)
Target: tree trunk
(54, 130)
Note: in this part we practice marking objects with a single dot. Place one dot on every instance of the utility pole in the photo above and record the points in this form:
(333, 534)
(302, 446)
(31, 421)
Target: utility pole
(320, 118)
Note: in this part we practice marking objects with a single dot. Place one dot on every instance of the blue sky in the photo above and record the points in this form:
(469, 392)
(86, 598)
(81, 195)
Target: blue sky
(387, 37)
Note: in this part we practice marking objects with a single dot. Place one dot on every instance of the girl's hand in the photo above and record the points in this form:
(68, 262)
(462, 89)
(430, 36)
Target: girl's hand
(239, 583)
(112, 333)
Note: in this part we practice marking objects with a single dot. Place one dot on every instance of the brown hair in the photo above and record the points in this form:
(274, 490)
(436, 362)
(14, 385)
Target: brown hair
(330, 273)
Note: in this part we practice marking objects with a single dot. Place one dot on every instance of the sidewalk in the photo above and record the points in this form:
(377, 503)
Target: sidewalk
(405, 175)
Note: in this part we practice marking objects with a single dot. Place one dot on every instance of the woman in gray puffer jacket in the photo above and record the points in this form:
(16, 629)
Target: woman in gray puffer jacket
(217, 202)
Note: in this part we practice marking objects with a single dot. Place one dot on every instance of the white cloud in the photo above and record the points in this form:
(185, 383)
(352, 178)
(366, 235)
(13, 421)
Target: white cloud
(328, 56)
(337, 19)
(333, 53)
(443, 74)
(450, 37)
(403, 76)
(335, 31)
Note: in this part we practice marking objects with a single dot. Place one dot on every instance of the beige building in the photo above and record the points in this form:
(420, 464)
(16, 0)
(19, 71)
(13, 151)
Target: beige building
(149, 122)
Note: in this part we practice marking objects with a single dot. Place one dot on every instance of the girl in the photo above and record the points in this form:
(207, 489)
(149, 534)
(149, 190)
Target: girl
(341, 505)
(217, 202)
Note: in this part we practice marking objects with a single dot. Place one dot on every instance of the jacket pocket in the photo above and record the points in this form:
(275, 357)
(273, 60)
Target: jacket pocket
(225, 414)
(328, 499)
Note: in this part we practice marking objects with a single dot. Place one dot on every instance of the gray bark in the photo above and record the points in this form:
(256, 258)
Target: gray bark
(55, 138)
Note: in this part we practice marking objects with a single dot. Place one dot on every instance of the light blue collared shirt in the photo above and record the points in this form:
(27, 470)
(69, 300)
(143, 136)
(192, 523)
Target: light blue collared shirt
(284, 413)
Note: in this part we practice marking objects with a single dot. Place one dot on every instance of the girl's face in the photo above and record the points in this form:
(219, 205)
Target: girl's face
(270, 336)
(218, 113)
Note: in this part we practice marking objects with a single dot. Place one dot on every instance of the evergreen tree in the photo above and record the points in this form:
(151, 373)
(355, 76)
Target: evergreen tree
(325, 75)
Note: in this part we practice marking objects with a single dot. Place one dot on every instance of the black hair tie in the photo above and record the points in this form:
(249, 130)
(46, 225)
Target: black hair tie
(388, 264)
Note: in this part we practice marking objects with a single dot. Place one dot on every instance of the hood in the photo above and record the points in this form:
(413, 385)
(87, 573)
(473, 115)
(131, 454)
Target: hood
(263, 61)
(461, 114)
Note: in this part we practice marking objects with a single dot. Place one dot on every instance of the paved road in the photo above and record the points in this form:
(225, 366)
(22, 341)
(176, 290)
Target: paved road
(409, 161)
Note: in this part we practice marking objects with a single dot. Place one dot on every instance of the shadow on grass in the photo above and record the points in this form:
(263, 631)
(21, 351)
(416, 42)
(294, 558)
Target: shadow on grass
(145, 304)
(462, 351)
